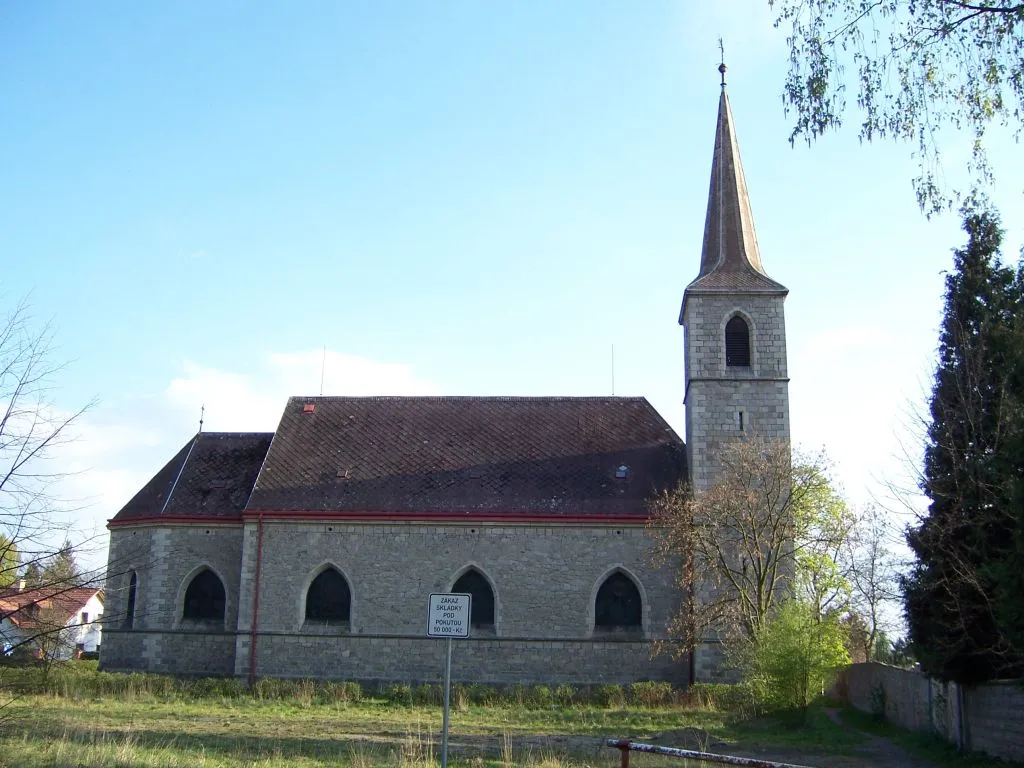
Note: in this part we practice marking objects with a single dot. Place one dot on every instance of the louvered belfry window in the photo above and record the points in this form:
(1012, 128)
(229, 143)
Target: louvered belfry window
(737, 342)
(482, 611)
(618, 603)
(328, 599)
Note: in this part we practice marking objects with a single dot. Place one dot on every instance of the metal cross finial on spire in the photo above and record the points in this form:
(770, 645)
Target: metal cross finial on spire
(202, 412)
(722, 67)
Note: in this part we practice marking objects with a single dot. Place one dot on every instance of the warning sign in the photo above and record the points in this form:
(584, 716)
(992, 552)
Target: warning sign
(448, 615)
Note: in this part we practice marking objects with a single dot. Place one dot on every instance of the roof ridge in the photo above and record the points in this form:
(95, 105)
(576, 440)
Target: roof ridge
(508, 398)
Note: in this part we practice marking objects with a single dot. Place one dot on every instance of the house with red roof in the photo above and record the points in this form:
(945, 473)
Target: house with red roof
(53, 621)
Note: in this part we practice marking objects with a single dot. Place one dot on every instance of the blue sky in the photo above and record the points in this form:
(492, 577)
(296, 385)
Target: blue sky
(451, 198)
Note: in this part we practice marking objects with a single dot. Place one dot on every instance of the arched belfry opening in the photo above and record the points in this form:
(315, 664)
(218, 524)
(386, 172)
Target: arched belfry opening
(205, 599)
(329, 599)
(618, 604)
(482, 609)
(737, 343)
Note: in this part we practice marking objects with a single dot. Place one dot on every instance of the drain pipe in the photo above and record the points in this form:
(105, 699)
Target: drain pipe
(256, 600)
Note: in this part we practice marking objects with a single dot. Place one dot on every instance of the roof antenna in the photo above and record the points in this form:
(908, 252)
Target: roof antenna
(613, 370)
(323, 365)
(722, 67)
(202, 411)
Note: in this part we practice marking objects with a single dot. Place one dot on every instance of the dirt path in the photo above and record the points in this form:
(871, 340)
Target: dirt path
(873, 751)
(876, 751)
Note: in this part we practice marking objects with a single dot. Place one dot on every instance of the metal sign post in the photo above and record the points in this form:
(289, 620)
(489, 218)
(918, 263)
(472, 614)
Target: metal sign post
(448, 617)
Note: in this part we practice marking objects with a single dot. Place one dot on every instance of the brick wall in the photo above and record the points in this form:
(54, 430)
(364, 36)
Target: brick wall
(992, 714)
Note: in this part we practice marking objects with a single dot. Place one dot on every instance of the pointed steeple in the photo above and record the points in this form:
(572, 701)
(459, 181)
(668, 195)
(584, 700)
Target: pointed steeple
(730, 260)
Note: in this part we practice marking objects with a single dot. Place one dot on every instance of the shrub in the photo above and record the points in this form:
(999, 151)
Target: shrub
(429, 694)
(516, 695)
(272, 689)
(565, 695)
(722, 697)
(650, 694)
(484, 695)
(353, 691)
(540, 696)
(609, 695)
(398, 693)
(794, 658)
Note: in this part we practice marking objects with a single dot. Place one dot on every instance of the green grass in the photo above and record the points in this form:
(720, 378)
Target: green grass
(78, 716)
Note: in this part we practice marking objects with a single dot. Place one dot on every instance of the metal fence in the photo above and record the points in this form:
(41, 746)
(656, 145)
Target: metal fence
(625, 746)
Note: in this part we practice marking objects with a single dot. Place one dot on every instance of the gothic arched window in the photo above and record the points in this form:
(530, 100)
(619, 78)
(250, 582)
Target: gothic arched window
(482, 607)
(737, 342)
(328, 599)
(618, 603)
(204, 598)
(129, 613)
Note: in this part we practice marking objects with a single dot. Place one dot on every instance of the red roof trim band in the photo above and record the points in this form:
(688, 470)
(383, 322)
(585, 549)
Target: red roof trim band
(465, 517)
(173, 520)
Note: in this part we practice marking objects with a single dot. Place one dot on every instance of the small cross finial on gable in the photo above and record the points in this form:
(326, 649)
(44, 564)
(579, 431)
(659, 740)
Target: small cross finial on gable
(202, 412)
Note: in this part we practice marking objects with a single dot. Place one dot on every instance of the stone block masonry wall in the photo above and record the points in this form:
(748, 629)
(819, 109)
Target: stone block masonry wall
(164, 559)
(545, 580)
(717, 393)
(989, 718)
(194, 654)
(488, 660)
(995, 719)
(544, 577)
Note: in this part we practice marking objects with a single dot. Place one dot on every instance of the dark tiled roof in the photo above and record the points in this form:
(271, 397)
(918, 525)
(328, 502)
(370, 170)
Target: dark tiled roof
(545, 455)
(211, 476)
(733, 280)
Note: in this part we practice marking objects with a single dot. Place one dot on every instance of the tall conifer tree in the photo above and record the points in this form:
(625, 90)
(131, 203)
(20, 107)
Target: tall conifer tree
(964, 545)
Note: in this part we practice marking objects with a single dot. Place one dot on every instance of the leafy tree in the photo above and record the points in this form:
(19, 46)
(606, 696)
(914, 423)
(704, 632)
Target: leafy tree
(919, 65)
(873, 569)
(8, 562)
(956, 607)
(857, 637)
(61, 570)
(33, 575)
(794, 656)
(882, 651)
(768, 529)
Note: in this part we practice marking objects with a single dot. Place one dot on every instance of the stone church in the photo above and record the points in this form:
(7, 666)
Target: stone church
(311, 551)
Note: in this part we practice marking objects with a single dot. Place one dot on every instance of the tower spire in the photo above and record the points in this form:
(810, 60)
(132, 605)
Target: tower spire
(730, 259)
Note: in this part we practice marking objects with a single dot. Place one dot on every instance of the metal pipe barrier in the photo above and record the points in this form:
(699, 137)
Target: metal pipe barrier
(625, 746)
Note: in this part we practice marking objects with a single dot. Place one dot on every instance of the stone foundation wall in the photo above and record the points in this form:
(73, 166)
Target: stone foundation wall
(194, 654)
(421, 659)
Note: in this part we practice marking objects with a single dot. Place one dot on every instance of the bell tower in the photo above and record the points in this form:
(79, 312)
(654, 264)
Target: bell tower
(735, 328)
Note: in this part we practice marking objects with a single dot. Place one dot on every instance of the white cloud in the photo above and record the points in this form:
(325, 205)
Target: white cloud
(122, 444)
(247, 402)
